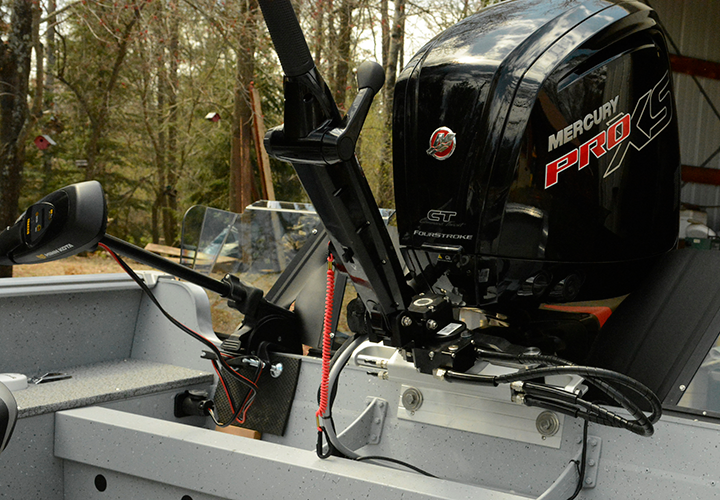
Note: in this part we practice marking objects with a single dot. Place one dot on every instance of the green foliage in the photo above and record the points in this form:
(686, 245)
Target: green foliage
(133, 107)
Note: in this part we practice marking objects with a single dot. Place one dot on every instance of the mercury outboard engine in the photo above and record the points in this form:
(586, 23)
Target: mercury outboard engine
(536, 153)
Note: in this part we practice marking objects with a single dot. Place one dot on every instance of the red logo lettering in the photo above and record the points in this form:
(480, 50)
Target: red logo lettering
(554, 168)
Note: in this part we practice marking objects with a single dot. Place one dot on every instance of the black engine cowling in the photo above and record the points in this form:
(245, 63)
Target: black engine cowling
(536, 152)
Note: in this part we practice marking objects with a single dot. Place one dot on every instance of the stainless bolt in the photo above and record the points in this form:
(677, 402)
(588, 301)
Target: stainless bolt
(276, 370)
(682, 388)
(431, 354)
(432, 324)
(406, 321)
(588, 481)
(453, 348)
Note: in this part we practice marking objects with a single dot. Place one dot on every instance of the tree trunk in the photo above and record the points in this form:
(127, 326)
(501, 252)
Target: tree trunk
(48, 84)
(14, 77)
(320, 7)
(98, 122)
(344, 46)
(50, 52)
(170, 219)
(241, 173)
(160, 160)
(384, 34)
(396, 35)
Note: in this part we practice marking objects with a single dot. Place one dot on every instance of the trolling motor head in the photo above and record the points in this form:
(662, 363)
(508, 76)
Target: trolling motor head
(536, 153)
(66, 222)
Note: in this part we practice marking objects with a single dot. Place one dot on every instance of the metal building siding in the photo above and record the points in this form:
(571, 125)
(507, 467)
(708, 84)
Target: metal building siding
(694, 25)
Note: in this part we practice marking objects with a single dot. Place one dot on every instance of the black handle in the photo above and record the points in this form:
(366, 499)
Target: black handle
(287, 36)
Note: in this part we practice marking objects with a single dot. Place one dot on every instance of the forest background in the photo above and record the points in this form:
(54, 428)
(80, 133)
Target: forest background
(121, 91)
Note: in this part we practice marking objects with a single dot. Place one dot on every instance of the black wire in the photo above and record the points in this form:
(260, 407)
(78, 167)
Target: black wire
(319, 446)
(583, 457)
(395, 461)
(331, 449)
(543, 396)
(600, 383)
(249, 397)
(603, 385)
(177, 323)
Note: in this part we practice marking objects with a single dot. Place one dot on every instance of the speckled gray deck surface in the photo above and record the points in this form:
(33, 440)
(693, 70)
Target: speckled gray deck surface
(103, 382)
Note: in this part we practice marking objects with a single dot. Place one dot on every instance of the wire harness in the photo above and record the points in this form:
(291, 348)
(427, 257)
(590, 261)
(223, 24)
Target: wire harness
(218, 358)
(532, 393)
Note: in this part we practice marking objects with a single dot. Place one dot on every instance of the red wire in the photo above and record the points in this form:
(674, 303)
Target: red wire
(254, 385)
(327, 341)
(240, 418)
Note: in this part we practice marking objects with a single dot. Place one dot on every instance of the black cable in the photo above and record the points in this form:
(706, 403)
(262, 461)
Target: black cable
(319, 447)
(249, 397)
(642, 425)
(333, 391)
(177, 323)
(581, 469)
(589, 373)
(603, 385)
(547, 397)
(395, 461)
(252, 386)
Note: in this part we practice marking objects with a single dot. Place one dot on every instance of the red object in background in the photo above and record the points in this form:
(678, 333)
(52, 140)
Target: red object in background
(602, 313)
(44, 141)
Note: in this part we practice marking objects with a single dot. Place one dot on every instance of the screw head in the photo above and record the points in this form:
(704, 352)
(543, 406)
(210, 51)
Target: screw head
(406, 321)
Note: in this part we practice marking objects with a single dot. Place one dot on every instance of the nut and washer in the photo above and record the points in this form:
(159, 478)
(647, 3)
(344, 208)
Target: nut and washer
(547, 424)
(412, 399)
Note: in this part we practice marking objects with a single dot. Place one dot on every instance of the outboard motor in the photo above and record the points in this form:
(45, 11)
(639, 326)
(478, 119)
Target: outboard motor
(536, 153)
